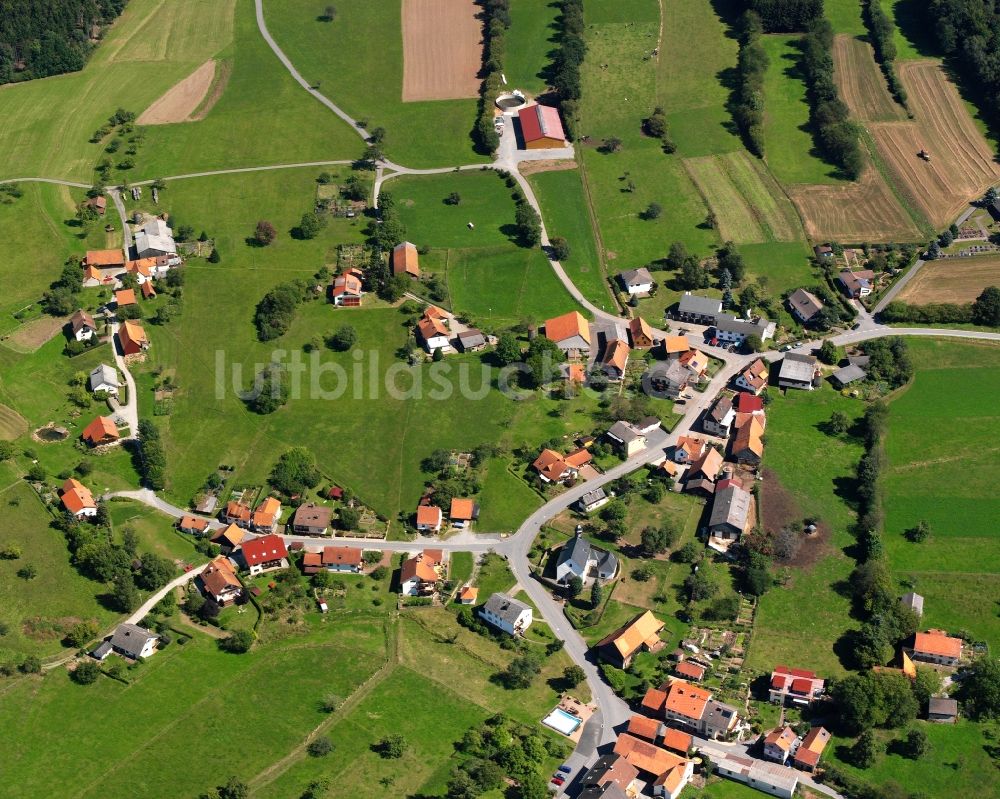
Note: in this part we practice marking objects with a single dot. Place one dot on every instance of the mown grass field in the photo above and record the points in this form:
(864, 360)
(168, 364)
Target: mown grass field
(800, 621)
(567, 214)
(366, 80)
(845, 17)
(532, 37)
(942, 466)
(49, 122)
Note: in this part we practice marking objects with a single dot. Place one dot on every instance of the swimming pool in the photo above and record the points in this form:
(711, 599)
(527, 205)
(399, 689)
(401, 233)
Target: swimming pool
(561, 721)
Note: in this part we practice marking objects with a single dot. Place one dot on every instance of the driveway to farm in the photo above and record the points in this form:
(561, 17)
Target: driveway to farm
(130, 411)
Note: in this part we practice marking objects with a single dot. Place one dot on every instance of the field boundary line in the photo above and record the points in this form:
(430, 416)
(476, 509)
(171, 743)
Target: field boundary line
(602, 264)
(901, 194)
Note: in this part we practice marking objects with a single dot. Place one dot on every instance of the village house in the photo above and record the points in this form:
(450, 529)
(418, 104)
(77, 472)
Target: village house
(702, 473)
(99, 204)
(124, 297)
(719, 418)
(102, 266)
(463, 512)
(804, 305)
(766, 777)
(81, 326)
(432, 333)
(154, 266)
(311, 519)
(505, 613)
(811, 749)
(645, 727)
(667, 378)
(192, 525)
(798, 371)
(578, 558)
(697, 309)
(471, 340)
(132, 338)
(265, 518)
(730, 330)
(148, 292)
(346, 290)
(104, 378)
(779, 744)
(571, 333)
(677, 740)
(541, 127)
(942, 710)
(914, 602)
(612, 768)
(693, 707)
(219, 583)
(134, 642)
(690, 671)
(421, 573)
(675, 346)
(641, 334)
(696, 362)
(936, 646)
(77, 499)
(555, 468)
(688, 449)
(263, 554)
(229, 538)
(667, 772)
(653, 701)
(733, 514)
(748, 443)
(155, 238)
(641, 634)
(343, 559)
(468, 595)
(405, 260)
(636, 281)
(795, 686)
(100, 431)
(754, 377)
(592, 500)
(748, 404)
(626, 438)
(615, 359)
(857, 284)
(429, 518)
(237, 513)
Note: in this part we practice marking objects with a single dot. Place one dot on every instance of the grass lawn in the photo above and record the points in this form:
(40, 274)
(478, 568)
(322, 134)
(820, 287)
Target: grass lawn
(914, 37)
(788, 144)
(366, 79)
(38, 612)
(845, 16)
(461, 567)
(156, 531)
(506, 500)
(798, 623)
(531, 37)
(49, 121)
(147, 724)
(566, 214)
(495, 577)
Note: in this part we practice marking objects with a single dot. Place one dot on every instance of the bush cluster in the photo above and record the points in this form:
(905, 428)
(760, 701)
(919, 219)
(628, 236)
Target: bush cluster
(786, 16)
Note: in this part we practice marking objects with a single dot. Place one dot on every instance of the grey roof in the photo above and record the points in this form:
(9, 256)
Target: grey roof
(797, 366)
(608, 790)
(636, 277)
(806, 304)
(578, 550)
(601, 766)
(696, 304)
(103, 374)
(131, 638)
(505, 607)
(593, 496)
(471, 337)
(914, 602)
(102, 651)
(942, 706)
(859, 360)
(731, 505)
(624, 432)
(848, 374)
(722, 406)
(671, 372)
(607, 563)
(730, 324)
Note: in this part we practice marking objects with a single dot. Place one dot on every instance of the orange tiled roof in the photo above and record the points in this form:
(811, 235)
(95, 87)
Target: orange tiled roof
(616, 355)
(420, 568)
(687, 700)
(677, 740)
(640, 330)
(232, 535)
(566, 326)
(462, 509)
(101, 429)
(675, 344)
(644, 727)
(125, 297)
(782, 737)
(935, 642)
(105, 258)
(429, 514)
(646, 756)
(76, 496)
(405, 259)
(643, 629)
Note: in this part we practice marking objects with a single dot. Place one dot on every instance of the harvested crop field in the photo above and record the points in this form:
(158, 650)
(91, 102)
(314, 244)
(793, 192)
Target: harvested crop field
(32, 335)
(12, 424)
(442, 49)
(180, 101)
(962, 162)
(955, 280)
(861, 83)
(748, 204)
(854, 212)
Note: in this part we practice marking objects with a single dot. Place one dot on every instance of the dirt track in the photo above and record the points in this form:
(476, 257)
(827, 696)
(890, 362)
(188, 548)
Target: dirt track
(861, 84)
(442, 49)
(955, 280)
(182, 99)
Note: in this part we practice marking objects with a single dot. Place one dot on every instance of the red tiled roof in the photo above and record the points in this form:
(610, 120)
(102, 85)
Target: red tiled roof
(105, 258)
(748, 403)
(687, 700)
(935, 642)
(644, 727)
(563, 327)
(692, 671)
(342, 556)
(76, 496)
(264, 550)
(540, 122)
(654, 700)
(677, 740)
(125, 297)
(100, 430)
(429, 515)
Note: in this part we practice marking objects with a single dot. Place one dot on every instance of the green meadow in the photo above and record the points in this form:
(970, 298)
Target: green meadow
(532, 37)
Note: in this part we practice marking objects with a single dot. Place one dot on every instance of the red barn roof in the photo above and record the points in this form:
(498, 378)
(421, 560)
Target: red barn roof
(264, 550)
(541, 122)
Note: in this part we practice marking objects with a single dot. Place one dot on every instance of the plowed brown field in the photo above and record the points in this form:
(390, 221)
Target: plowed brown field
(955, 280)
(962, 163)
(442, 49)
(854, 212)
(861, 84)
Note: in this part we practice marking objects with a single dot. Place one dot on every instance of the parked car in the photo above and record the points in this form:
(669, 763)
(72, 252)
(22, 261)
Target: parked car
(558, 780)
(565, 769)
(579, 529)
(856, 325)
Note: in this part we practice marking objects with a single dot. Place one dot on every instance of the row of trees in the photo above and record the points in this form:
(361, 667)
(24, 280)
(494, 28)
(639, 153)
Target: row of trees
(152, 456)
(751, 67)
(49, 37)
(984, 311)
(565, 70)
(881, 31)
(496, 15)
(786, 16)
(837, 137)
